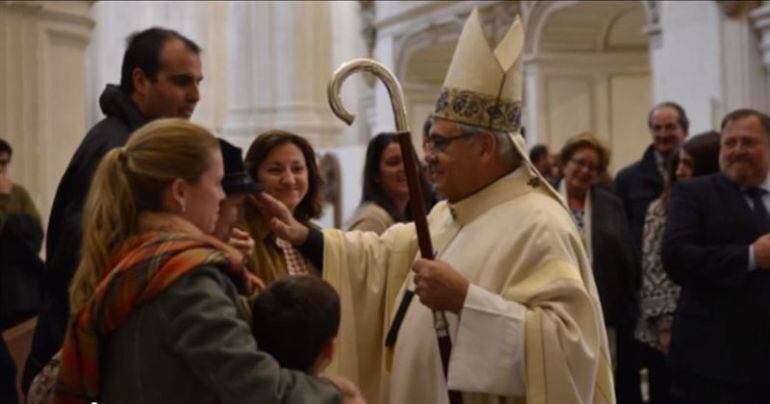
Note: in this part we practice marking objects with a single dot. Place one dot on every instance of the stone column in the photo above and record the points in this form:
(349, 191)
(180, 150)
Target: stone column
(761, 20)
(42, 82)
(303, 55)
(533, 117)
(384, 53)
(281, 54)
(744, 77)
(688, 32)
(243, 42)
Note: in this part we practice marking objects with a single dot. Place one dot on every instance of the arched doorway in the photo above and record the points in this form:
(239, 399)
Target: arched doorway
(587, 69)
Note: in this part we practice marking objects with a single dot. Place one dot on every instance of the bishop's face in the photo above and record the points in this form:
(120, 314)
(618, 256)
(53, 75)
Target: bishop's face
(452, 158)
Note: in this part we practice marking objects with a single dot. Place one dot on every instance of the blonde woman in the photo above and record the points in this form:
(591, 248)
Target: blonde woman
(157, 316)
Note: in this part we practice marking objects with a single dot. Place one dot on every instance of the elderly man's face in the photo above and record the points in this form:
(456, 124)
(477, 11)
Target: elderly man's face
(667, 133)
(744, 155)
(452, 160)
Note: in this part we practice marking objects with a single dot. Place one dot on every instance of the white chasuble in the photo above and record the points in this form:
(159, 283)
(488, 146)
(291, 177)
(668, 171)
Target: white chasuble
(530, 329)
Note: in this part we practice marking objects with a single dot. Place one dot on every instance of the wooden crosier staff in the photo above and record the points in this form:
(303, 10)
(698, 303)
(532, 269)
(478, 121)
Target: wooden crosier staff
(416, 199)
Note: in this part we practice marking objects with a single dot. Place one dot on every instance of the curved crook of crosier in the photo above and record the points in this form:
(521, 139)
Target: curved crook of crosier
(382, 73)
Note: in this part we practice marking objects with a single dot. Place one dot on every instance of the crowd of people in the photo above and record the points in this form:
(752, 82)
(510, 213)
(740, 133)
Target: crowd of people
(681, 287)
(179, 270)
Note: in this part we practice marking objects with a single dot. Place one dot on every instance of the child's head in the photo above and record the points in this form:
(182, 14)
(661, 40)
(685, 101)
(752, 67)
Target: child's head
(296, 320)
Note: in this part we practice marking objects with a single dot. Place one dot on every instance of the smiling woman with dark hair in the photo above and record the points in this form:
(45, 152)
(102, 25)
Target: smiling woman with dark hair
(284, 163)
(385, 198)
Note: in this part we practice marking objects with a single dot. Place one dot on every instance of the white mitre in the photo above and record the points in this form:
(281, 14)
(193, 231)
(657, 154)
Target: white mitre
(483, 88)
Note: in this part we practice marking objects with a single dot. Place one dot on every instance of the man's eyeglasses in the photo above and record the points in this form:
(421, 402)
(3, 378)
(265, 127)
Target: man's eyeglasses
(584, 164)
(439, 143)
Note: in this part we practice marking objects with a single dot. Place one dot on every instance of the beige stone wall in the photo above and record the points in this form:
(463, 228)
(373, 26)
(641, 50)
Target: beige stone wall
(42, 82)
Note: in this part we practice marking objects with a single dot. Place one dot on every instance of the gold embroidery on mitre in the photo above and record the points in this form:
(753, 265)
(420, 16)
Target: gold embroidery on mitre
(473, 108)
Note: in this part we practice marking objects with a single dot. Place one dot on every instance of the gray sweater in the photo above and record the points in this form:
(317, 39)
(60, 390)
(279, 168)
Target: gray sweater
(192, 344)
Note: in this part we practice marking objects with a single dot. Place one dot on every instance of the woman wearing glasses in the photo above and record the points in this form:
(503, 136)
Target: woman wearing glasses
(603, 226)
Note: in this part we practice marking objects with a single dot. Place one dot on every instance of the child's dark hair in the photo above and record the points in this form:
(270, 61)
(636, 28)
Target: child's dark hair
(295, 318)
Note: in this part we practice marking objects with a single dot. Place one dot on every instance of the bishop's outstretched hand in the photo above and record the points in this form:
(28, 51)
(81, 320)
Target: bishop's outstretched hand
(280, 219)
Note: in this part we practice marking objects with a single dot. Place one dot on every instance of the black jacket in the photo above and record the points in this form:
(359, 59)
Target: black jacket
(637, 186)
(615, 269)
(20, 268)
(721, 329)
(64, 225)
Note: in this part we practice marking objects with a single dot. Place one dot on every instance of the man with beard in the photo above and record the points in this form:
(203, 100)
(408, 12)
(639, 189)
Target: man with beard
(160, 78)
(510, 273)
(717, 247)
(637, 186)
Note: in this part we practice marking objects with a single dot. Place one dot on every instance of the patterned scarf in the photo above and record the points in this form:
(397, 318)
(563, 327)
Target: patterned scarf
(147, 266)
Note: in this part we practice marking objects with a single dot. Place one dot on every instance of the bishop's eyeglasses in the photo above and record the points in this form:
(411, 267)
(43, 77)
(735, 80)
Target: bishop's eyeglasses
(439, 143)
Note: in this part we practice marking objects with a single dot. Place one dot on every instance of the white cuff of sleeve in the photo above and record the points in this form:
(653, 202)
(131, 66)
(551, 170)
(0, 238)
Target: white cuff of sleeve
(488, 352)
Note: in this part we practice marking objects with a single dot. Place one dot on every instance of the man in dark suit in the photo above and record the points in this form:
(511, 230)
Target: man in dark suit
(717, 247)
(637, 186)
(642, 182)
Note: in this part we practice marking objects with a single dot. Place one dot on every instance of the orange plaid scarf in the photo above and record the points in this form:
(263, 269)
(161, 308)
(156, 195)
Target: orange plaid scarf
(147, 266)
